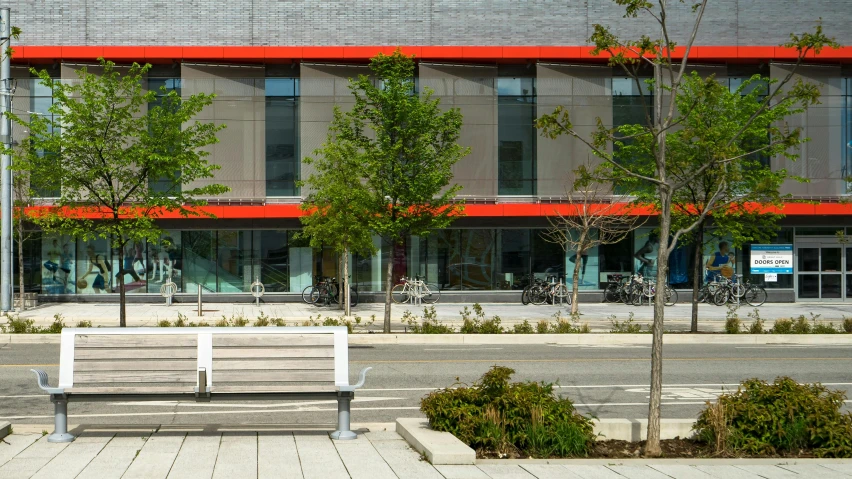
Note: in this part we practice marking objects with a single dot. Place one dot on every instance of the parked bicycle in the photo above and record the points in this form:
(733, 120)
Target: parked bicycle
(409, 290)
(326, 291)
(552, 291)
(736, 290)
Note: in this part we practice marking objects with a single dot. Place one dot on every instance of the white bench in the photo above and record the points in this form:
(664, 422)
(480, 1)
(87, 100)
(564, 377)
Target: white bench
(202, 364)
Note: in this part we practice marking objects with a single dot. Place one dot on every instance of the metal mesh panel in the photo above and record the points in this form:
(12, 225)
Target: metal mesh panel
(472, 89)
(586, 93)
(322, 87)
(240, 105)
(820, 158)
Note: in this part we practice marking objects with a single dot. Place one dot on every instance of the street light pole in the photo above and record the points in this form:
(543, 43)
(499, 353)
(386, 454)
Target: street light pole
(5, 163)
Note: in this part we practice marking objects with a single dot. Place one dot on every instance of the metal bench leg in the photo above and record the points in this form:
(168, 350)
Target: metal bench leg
(343, 431)
(60, 422)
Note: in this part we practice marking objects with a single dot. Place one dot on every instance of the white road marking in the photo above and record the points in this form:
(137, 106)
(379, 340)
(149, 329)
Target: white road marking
(459, 349)
(189, 413)
(24, 396)
(258, 406)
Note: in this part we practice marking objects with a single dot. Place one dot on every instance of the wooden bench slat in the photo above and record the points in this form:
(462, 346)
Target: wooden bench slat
(272, 365)
(136, 377)
(272, 376)
(136, 353)
(134, 340)
(273, 389)
(130, 365)
(239, 353)
(255, 340)
(189, 388)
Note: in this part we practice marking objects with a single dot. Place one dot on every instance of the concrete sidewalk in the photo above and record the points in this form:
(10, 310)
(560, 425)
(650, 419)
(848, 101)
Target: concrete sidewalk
(597, 315)
(270, 451)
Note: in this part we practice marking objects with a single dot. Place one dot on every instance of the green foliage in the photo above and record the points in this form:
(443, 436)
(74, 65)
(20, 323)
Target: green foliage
(624, 327)
(262, 320)
(847, 324)
(351, 324)
(164, 323)
(182, 321)
(824, 328)
(562, 325)
(106, 146)
(782, 326)
(429, 325)
(477, 324)
(801, 325)
(56, 326)
(523, 328)
(778, 418)
(496, 416)
(222, 323)
(733, 325)
(16, 325)
(84, 324)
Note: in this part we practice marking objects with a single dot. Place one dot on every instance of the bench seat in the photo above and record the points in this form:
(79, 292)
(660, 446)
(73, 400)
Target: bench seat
(202, 364)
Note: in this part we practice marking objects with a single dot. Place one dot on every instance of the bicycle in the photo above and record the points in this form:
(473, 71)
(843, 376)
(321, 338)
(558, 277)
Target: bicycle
(550, 291)
(612, 293)
(735, 291)
(525, 294)
(409, 289)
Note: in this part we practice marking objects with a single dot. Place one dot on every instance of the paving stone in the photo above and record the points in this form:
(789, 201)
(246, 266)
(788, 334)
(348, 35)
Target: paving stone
(156, 457)
(75, 457)
(16, 443)
(404, 461)
(277, 456)
(461, 472)
(726, 471)
(845, 468)
(115, 457)
(31, 459)
(197, 456)
(593, 472)
(319, 457)
(638, 472)
(549, 471)
(768, 471)
(499, 471)
(237, 456)
(681, 471)
(814, 470)
(362, 461)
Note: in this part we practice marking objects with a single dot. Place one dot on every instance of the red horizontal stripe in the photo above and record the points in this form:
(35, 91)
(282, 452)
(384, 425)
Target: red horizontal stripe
(482, 53)
(487, 210)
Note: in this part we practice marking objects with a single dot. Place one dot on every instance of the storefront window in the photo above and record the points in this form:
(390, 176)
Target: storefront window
(273, 260)
(133, 265)
(95, 266)
(784, 281)
(615, 259)
(477, 259)
(516, 133)
(199, 260)
(57, 265)
(282, 136)
(512, 264)
(164, 261)
(162, 87)
(548, 259)
(234, 257)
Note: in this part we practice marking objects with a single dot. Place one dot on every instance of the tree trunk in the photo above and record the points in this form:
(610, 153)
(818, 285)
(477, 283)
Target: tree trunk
(697, 276)
(575, 280)
(388, 287)
(346, 299)
(652, 446)
(122, 300)
(341, 282)
(21, 261)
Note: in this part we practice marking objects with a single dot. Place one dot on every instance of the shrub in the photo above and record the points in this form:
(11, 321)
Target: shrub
(496, 416)
(562, 325)
(223, 323)
(56, 326)
(181, 321)
(782, 326)
(84, 324)
(624, 327)
(239, 321)
(429, 325)
(16, 325)
(824, 328)
(801, 325)
(542, 327)
(164, 323)
(477, 324)
(279, 322)
(523, 328)
(847, 324)
(778, 418)
(733, 325)
(262, 320)
(756, 327)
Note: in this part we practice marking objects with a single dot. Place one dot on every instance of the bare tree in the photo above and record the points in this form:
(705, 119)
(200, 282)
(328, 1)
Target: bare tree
(591, 216)
(24, 226)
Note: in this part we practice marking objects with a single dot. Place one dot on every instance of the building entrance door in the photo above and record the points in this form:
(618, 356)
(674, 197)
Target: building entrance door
(820, 271)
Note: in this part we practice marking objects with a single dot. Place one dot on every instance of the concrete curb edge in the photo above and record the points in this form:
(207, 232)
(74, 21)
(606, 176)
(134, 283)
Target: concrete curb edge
(5, 429)
(440, 448)
(362, 339)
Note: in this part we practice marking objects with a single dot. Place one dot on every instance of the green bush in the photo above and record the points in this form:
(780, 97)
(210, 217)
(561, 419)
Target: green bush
(624, 327)
(824, 328)
(733, 325)
(182, 321)
(477, 324)
(164, 323)
(756, 327)
(782, 326)
(496, 416)
(847, 324)
(262, 320)
(801, 325)
(430, 324)
(84, 324)
(523, 328)
(778, 418)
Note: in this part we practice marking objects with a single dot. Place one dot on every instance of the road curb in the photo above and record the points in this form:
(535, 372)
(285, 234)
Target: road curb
(362, 339)
(440, 448)
(5, 428)
(641, 461)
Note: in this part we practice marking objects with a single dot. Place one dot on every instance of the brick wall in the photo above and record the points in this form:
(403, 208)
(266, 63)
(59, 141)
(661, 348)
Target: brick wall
(409, 22)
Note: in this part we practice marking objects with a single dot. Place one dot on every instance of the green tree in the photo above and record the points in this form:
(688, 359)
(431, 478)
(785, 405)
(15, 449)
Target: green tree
(408, 147)
(338, 200)
(103, 147)
(641, 151)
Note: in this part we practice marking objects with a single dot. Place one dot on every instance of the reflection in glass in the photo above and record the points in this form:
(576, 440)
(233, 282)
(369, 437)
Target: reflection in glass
(808, 286)
(164, 261)
(282, 145)
(830, 286)
(199, 260)
(513, 258)
(808, 259)
(548, 259)
(477, 259)
(162, 87)
(516, 135)
(133, 265)
(57, 265)
(94, 267)
(830, 260)
(274, 260)
(235, 273)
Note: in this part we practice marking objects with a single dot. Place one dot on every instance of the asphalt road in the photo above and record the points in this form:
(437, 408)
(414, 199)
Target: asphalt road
(606, 381)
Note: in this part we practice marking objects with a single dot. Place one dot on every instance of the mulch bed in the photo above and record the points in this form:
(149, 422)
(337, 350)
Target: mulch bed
(672, 448)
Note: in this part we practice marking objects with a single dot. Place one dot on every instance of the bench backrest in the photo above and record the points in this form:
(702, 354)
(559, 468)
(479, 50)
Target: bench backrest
(136, 358)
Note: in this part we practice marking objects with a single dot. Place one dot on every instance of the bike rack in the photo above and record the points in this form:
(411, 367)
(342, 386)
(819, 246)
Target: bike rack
(257, 289)
(168, 290)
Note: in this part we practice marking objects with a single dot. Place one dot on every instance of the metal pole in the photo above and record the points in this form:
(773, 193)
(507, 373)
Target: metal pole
(199, 300)
(5, 163)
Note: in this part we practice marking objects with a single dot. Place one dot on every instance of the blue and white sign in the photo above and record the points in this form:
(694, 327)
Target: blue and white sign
(772, 258)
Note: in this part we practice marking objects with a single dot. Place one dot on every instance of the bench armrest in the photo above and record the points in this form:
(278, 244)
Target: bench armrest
(361, 378)
(41, 376)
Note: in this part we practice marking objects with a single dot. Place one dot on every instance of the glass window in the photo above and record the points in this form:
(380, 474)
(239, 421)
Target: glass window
(41, 99)
(274, 260)
(447, 258)
(282, 136)
(162, 87)
(95, 266)
(512, 262)
(785, 236)
(199, 261)
(645, 249)
(846, 130)
(133, 265)
(616, 259)
(165, 261)
(234, 257)
(477, 259)
(516, 133)
(57, 266)
(548, 259)
(32, 267)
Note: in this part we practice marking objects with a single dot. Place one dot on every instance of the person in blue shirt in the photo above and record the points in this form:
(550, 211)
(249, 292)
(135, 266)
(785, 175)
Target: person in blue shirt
(720, 259)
